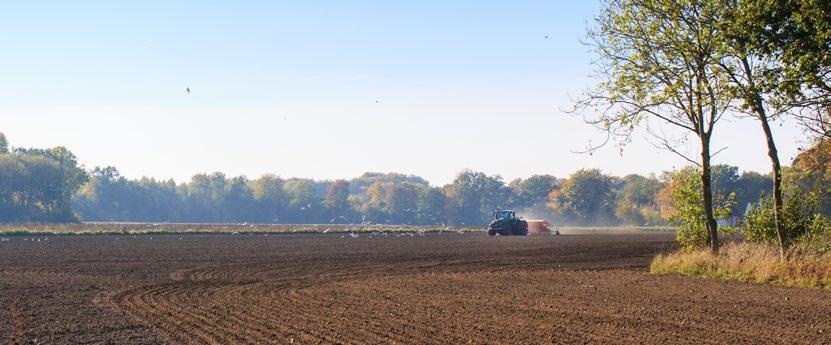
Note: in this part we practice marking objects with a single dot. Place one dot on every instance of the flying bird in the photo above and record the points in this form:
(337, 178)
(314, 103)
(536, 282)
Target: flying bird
(187, 90)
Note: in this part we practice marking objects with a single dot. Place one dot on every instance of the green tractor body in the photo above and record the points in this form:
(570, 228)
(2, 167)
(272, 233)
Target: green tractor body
(506, 223)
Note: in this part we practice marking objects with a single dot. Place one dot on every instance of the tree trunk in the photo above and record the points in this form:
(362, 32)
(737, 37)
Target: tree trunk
(759, 107)
(707, 193)
(777, 180)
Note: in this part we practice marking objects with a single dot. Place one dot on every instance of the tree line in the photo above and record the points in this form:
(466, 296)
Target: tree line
(48, 185)
(586, 198)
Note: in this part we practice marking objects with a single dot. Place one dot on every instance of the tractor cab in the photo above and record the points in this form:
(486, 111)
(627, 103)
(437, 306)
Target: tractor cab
(504, 214)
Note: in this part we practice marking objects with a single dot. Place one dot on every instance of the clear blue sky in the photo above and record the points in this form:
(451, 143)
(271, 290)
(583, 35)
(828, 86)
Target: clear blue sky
(323, 89)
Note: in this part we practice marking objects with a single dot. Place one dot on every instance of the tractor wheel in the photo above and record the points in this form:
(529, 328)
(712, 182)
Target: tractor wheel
(521, 229)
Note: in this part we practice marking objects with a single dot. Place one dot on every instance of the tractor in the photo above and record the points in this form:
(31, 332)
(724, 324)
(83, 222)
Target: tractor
(506, 223)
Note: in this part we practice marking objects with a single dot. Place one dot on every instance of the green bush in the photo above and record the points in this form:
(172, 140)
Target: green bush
(814, 244)
(800, 218)
(759, 224)
(688, 206)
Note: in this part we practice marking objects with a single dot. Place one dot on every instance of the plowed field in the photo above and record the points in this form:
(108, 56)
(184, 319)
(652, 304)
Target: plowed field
(438, 288)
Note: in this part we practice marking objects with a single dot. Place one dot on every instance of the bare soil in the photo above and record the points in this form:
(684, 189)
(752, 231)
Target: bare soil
(438, 288)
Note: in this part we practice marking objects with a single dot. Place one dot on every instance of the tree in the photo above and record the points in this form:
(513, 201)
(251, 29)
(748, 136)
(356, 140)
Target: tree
(164, 204)
(105, 196)
(811, 173)
(431, 204)
(658, 60)
(272, 200)
(533, 190)
(402, 202)
(473, 196)
(204, 196)
(726, 179)
(73, 176)
(304, 203)
(337, 201)
(755, 76)
(4, 145)
(360, 184)
(586, 197)
(42, 195)
(239, 200)
(108, 196)
(796, 35)
(377, 193)
(635, 200)
(35, 187)
(54, 178)
(13, 180)
(336, 195)
(752, 186)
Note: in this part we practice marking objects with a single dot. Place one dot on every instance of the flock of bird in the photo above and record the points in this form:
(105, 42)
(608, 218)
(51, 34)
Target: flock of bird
(25, 239)
(349, 233)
